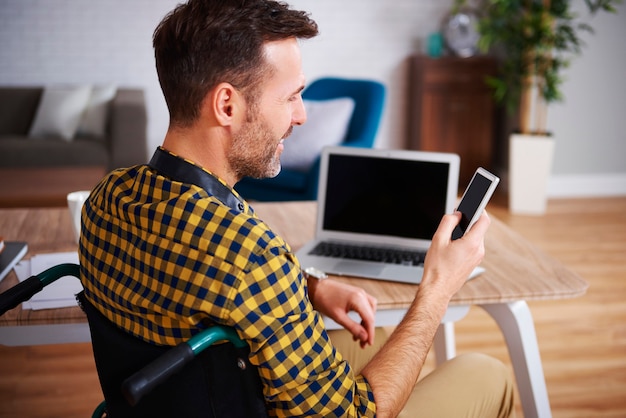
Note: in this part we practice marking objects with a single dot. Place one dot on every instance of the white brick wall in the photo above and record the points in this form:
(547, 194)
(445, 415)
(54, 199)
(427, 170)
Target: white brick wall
(46, 42)
(100, 41)
(372, 39)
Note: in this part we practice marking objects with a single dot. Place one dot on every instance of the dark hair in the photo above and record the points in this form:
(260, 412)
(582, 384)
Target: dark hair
(202, 43)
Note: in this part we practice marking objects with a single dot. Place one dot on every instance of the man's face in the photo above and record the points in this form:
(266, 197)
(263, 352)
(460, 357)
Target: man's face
(258, 144)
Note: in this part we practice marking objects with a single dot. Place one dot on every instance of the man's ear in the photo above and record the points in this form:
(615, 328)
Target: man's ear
(226, 104)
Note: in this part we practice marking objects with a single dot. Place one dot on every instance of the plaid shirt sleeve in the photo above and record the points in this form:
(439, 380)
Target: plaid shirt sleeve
(303, 373)
(164, 260)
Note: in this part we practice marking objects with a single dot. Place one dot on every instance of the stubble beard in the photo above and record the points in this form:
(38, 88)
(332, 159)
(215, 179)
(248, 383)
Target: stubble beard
(254, 153)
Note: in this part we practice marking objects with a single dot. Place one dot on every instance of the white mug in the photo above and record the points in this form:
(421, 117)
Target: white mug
(75, 201)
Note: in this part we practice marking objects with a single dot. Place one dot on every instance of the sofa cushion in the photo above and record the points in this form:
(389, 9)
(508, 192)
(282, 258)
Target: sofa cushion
(94, 120)
(123, 145)
(17, 109)
(59, 112)
(326, 125)
(18, 151)
(289, 180)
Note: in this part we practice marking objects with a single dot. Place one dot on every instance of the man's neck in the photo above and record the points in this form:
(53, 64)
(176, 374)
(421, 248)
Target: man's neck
(206, 150)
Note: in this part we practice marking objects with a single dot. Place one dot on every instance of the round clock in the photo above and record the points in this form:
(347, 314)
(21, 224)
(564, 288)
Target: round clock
(460, 31)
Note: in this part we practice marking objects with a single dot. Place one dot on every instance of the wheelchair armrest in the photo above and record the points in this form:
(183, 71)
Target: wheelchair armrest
(161, 369)
(19, 293)
(25, 290)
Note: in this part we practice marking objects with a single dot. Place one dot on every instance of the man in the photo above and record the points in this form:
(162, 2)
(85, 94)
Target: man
(169, 248)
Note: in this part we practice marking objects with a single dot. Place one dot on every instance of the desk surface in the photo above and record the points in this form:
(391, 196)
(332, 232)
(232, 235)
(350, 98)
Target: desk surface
(515, 269)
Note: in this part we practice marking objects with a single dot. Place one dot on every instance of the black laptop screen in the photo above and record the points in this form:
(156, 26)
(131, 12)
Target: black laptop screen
(382, 196)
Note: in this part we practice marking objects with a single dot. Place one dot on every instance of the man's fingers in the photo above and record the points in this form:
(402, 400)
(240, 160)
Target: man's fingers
(482, 224)
(358, 332)
(447, 225)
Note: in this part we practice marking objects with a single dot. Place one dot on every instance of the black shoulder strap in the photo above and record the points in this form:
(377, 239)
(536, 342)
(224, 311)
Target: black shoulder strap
(178, 169)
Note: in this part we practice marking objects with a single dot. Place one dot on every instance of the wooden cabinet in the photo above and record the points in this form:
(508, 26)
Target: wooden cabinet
(451, 109)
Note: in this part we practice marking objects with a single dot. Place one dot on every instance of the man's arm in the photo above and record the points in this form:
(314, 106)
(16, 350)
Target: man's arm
(393, 371)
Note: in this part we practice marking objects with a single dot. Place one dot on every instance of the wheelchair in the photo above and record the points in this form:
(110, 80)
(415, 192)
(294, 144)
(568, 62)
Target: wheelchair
(197, 378)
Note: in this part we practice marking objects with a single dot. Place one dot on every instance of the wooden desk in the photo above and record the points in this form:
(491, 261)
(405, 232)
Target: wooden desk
(516, 272)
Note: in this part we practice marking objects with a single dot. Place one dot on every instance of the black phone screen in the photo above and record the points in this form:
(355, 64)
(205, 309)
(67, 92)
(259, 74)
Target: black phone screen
(470, 203)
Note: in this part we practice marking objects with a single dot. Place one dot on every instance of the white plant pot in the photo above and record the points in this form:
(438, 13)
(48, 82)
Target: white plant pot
(530, 165)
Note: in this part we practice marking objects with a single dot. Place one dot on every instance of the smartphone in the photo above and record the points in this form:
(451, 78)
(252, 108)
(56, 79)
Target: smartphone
(474, 200)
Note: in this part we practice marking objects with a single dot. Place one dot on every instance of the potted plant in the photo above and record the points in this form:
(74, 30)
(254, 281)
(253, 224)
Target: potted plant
(535, 40)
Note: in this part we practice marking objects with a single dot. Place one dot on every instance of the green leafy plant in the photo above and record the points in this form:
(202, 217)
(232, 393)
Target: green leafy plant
(536, 40)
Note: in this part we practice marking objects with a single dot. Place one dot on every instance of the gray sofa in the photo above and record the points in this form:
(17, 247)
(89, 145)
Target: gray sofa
(123, 146)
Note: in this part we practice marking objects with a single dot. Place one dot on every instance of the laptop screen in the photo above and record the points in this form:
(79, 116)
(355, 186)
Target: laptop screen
(385, 196)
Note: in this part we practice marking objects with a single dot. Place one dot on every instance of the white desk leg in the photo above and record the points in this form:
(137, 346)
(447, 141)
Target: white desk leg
(445, 343)
(516, 323)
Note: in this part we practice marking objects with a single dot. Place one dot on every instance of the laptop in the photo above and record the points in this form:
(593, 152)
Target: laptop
(378, 210)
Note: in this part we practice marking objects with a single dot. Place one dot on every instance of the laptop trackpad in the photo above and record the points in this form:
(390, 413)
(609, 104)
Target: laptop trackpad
(358, 269)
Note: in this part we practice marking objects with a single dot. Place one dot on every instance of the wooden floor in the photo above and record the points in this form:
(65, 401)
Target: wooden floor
(582, 341)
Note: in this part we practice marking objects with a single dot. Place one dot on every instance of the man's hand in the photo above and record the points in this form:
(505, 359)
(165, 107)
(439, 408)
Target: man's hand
(335, 300)
(449, 263)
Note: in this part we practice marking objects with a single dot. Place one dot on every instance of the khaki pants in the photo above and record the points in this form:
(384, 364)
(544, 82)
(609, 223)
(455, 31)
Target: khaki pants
(470, 385)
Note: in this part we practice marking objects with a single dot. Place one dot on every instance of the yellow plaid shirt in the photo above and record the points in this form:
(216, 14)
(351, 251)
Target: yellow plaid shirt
(164, 259)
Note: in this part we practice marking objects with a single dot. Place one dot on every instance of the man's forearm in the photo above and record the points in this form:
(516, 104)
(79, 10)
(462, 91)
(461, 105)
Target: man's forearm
(393, 371)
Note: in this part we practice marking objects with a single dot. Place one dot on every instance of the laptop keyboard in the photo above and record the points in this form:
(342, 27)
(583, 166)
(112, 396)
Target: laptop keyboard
(377, 254)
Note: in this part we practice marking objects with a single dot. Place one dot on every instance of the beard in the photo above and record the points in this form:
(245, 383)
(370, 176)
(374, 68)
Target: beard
(254, 153)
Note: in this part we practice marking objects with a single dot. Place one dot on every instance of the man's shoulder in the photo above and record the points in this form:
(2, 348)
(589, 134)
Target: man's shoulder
(246, 224)
(186, 207)
(120, 176)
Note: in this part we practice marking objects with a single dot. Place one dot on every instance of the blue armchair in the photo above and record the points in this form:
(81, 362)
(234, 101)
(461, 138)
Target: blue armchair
(368, 96)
